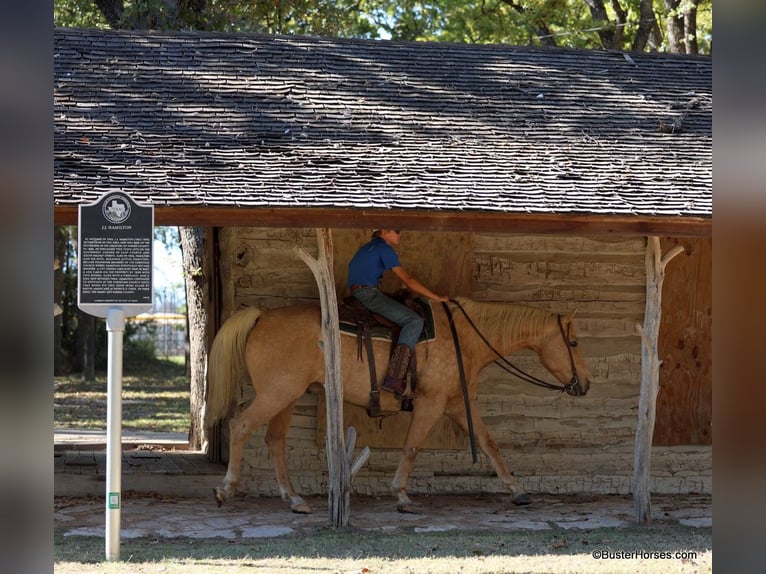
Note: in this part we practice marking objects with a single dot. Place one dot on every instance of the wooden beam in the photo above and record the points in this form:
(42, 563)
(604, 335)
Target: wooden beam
(419, 220)
(650, 376)
(338, 465)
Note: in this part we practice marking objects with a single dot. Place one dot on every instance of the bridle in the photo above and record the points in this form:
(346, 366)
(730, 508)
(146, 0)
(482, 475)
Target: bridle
(572, 388)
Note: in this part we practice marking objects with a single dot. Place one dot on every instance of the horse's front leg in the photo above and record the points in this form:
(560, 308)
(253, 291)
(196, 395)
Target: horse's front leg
(276, 440)
(456, 411)
(424, 416)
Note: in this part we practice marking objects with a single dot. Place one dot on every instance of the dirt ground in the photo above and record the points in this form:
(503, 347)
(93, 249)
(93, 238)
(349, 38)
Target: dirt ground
(157, 516)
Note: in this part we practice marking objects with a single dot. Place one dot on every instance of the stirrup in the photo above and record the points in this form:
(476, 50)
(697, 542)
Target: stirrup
(396, 388)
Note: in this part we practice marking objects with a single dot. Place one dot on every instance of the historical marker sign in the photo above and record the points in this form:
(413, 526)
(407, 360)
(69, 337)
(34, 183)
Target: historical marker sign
(115, 255)
(114, 280)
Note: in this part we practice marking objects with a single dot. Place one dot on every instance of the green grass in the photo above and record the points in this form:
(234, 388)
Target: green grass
(155, 397)
(355, 551)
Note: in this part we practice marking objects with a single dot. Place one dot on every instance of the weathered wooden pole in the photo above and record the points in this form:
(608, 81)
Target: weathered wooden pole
(339, 453)
(650, 376)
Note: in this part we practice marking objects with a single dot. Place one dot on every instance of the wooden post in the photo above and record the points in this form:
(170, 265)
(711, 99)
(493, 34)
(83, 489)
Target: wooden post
(650, 376)
(339, 454)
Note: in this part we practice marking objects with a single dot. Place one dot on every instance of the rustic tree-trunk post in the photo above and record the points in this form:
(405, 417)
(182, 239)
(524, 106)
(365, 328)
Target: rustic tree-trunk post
(192, 253)
(339, 469)
(650, 376)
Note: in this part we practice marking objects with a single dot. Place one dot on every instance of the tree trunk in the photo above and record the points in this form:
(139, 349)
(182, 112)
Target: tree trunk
(650, 377)
(192, 253)
(112, 11)
(541, 29)
(193, 14)
(84, 357)
(690, 27)
(647, 23)
(339, 467)
(619, 29)
(88, 326)
(60, 254)
(606, 33)
(674, 27)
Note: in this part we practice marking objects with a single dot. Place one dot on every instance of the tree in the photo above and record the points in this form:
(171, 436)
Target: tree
(681, 26)
(65, 296)
(192, 252)
(612, 25)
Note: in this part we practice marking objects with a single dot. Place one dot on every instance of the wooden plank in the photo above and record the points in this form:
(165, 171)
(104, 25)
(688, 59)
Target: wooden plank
(656, 263)
(630, 310)
(600, 327)
(338, 465)
(541, 269)
(418, 220)
(685, 399)
(599, 245)
(578, 295)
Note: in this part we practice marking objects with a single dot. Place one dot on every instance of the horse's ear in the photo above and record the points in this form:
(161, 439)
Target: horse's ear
(571, 315)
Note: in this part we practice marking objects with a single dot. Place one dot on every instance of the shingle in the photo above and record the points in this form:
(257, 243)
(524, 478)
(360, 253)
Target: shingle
(224, 119)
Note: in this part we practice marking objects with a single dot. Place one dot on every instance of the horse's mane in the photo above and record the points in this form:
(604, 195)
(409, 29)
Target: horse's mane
(505, 321)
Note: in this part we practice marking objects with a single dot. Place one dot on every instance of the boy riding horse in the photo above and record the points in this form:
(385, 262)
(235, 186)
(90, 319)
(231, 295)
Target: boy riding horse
(364, 273)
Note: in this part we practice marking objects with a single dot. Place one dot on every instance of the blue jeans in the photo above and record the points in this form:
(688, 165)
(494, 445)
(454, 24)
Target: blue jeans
(410, 322)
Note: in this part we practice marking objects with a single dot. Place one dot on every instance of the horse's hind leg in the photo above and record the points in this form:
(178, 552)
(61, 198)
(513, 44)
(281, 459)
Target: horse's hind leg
(241, 426)
(489, 447)
(276, 436)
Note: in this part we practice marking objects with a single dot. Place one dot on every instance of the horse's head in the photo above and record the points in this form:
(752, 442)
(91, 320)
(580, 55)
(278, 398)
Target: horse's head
(561, 356)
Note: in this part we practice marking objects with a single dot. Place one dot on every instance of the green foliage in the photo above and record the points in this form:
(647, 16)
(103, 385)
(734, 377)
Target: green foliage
(139, 343)
(568, 23)
(78, 13)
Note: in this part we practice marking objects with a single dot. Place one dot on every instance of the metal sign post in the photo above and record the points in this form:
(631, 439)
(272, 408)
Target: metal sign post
(114, 280)
(115, 328)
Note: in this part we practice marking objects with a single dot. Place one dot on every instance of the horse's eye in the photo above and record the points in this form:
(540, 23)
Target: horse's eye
(572, 343)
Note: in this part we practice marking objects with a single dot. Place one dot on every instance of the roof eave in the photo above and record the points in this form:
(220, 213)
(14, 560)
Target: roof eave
(422, 220)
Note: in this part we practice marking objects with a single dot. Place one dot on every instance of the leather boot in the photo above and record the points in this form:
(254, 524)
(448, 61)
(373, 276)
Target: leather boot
(396, 376)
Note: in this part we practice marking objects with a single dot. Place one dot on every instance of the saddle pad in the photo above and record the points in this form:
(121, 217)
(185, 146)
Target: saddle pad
(384, 333)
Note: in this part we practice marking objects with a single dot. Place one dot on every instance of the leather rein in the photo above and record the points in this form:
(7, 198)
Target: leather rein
(573, 387)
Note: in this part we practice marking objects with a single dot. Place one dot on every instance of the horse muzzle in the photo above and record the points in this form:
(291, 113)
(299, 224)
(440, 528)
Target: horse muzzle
(574, 389)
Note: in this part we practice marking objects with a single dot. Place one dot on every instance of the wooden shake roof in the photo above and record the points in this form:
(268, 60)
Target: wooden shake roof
(306, 125)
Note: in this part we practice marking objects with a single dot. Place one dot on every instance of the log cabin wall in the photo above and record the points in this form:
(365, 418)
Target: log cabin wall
(554, 443)
(685, 397)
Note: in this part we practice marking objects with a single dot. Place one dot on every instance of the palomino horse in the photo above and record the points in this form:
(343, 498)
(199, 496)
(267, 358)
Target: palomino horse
(279, 350)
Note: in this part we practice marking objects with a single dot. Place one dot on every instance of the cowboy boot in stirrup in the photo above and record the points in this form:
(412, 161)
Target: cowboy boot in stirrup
(396, 376)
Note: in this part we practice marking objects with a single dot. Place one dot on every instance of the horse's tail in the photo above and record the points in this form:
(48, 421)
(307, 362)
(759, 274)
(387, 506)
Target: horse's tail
(226, 364)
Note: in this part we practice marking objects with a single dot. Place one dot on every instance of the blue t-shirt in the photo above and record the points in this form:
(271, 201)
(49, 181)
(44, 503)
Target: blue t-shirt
(369, 263)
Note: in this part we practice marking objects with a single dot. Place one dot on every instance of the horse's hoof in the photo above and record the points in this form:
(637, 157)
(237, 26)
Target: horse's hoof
(406, 509)
(219, 497)
(521, 499)
(302, 508)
